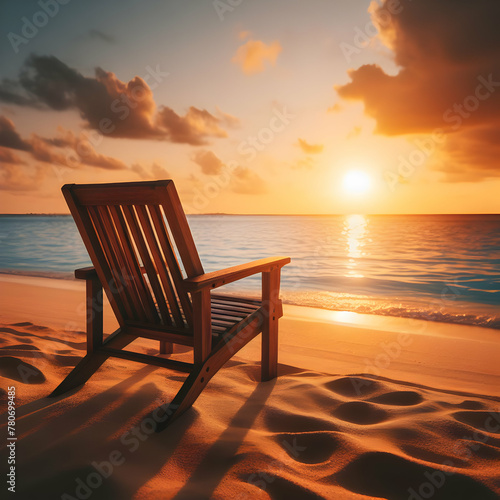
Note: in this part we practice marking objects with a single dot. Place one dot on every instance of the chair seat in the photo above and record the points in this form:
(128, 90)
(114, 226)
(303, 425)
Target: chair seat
(227, 311)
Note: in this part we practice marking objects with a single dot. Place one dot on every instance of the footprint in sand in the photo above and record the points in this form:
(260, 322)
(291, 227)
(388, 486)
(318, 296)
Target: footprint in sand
(20, 347)
(361, 413)
(384, 475)
(278, 487)
(17, 369)
(432, 456)
(354, 387)
(484, 421)
(472, 405)
(281, 421)
(399, 398)
(309, 447)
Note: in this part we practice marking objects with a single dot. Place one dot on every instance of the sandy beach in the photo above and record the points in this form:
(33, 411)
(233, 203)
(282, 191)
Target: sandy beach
(364, 407)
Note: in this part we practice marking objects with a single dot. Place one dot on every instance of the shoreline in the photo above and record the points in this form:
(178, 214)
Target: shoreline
(317, 300)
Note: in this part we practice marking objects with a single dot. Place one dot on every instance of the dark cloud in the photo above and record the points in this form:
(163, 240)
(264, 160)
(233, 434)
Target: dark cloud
(68, 150)
(9, 137)
(115, 108)
(448, 81)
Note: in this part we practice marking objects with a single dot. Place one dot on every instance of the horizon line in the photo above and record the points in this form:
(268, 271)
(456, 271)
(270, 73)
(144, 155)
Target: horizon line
(58, 214)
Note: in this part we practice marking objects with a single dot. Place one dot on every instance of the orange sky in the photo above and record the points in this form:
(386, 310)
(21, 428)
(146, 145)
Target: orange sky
(261, 107)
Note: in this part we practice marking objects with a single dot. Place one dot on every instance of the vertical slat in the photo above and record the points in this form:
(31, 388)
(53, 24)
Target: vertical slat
(202, 325)
(94, 314)
(91, 241)
(270, 298)
(148, 264)
(160, 265)
(173, 265)
(133, 265)
(181, 232)
(116, 286)
(127, 279)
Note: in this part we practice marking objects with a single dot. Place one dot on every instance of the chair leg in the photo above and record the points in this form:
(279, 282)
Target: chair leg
(91, 363)
(80, 373)
(271, 303)
(200, 376)
(166, 347)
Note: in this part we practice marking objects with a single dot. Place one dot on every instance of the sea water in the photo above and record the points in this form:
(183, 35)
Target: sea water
(434, 267)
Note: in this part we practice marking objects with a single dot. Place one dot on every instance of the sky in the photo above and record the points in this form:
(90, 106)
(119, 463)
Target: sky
(254, 106)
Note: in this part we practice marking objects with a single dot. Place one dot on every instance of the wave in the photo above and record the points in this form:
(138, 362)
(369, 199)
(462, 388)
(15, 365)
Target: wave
(441, 311)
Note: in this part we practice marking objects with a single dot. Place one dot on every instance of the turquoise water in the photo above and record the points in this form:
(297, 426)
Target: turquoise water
(436, 267)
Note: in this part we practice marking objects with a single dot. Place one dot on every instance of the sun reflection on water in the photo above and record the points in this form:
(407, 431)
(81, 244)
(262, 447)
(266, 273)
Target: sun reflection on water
(355, 232)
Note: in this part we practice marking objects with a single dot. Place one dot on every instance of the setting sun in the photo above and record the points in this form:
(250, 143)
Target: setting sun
(356, 182)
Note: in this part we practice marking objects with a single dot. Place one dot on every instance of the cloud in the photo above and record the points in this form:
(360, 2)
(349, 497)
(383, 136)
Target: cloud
(193, 128)
(99, 35)
(14, 178)
(244, 34)
(335, 108)
(155, 171)
(449, 80)
(246, 181)
(309, 148)
(105, 103)
(68, 150)
(355, 132)
(8, 156)
(9, 137)
(251, 56)
(238, 179)
(227, 119)
(210, 164)
(306, 163)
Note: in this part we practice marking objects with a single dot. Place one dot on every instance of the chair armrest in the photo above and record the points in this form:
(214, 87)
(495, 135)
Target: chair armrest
(86, 273)
(219, 278)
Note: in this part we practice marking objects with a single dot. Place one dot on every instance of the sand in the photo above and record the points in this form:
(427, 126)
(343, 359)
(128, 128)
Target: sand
(364, 407)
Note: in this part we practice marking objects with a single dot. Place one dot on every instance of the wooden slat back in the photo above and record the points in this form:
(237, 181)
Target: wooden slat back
(140, 243)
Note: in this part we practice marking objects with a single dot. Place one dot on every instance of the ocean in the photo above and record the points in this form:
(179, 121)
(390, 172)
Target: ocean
(434, 267)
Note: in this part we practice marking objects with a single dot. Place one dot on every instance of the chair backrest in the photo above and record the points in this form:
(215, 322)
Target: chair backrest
(137, 235)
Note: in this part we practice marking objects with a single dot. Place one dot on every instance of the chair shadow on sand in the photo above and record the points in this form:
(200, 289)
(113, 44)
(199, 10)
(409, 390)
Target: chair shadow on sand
(91, 431)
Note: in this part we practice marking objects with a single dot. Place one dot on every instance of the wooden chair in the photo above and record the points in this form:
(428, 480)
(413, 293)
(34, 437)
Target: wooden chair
(145, 259)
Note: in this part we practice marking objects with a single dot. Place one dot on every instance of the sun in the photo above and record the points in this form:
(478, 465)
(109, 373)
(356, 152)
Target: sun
(356, 182)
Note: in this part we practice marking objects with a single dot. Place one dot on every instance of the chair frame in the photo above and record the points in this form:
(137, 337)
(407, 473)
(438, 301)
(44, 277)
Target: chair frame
(209, 352)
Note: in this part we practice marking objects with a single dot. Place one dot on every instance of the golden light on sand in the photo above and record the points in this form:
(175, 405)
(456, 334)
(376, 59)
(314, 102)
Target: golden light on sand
(356, 182)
